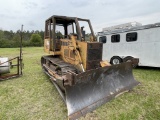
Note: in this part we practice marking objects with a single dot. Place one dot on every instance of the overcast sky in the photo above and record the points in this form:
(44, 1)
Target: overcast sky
(102, 13)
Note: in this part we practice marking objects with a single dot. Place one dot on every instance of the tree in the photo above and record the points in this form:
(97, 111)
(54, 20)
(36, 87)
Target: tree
(16, 40)
(1, 34)
(12, 39)
(59, 34)
(7, 35)
(36, 40)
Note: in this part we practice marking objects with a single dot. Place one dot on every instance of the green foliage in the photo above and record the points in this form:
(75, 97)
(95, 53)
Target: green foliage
(1, 34)
(59, 34)
(8, 35)
(26, 43)
(36, 40)
(7, 44)
(10, 39)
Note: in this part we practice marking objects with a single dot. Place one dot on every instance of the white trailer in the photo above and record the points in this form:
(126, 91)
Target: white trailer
(124, 43)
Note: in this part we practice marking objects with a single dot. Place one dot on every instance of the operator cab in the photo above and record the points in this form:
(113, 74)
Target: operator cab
(62, 27)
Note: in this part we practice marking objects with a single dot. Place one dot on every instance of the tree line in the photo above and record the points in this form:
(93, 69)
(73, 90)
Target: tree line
(10, 39)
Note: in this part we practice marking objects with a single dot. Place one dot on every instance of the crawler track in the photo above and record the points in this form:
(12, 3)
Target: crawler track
(56, 69)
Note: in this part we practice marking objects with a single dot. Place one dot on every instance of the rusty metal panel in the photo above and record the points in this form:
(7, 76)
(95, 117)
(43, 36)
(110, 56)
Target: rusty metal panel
(72, 55)
(94, 55)
(66, 52)
(93, 64)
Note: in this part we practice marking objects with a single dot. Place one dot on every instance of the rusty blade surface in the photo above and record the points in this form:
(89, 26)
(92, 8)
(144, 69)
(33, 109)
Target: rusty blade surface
(96, 87)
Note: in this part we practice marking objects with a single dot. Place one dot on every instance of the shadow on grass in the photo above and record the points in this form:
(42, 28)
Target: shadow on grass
(147, 68)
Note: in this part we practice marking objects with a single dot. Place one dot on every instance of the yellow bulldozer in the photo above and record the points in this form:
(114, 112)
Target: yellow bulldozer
(76, 68)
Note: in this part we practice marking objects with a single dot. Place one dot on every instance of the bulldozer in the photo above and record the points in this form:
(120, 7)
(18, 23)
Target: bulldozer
(76, 68)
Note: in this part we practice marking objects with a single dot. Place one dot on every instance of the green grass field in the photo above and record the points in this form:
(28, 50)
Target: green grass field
(33, 97)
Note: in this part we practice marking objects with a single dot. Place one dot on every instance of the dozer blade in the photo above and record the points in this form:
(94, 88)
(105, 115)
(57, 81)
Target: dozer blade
(96, 87)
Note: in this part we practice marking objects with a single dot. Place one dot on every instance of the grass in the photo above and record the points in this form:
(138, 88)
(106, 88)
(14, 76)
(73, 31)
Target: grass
(33, 96)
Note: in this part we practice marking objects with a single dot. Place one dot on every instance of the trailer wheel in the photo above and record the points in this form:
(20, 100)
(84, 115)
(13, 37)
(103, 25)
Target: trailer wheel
(116, 60)
(128, 59)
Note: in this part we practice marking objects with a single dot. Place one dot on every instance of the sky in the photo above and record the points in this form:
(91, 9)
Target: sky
(102, 13)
